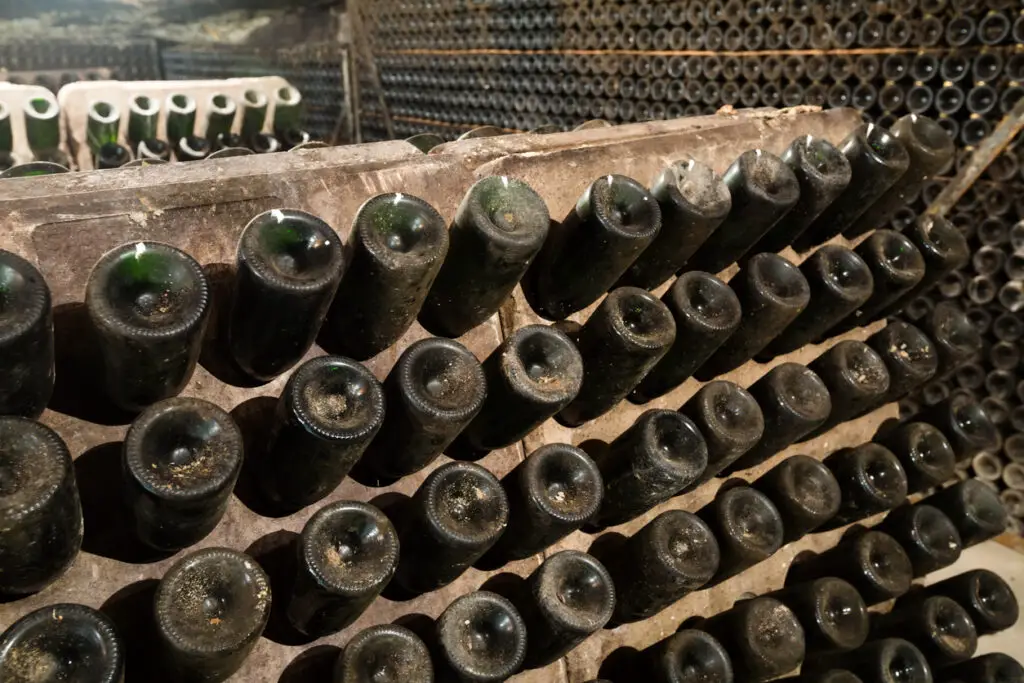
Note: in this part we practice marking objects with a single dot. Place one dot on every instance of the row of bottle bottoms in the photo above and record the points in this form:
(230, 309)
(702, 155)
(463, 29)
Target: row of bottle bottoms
(213, 604)
(143, 140)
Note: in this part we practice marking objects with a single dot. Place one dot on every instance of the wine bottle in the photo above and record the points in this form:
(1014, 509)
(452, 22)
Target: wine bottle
(192, 148)
(661, 454)
(289, 264)
(6, 133)
(149, 303)
(434, 390)
(975, 509)
(988, 599)
(794, 401)
(924, 453)
(498, 230)
(220, 115)
(456, 515)
(881, 661)
(482, 637)
(225, 141)
(748, 527)
(927, 534)
(939, 627)
(143, 117)
(772, 293)
(871, 561)
(955, 337)
(763, 189)
(39, 505)
(254, 113)
(896, 265)
(112, 155)
(553, 492)
(26, 344)
(840, 282)
(762, 635)
(689, 656)
(398, 243)
(730, 420)
(991, 668)
(611, 224)
(531, 376)
(394, 650)
(287, 109)
(856, 377)
(152, 149)
(572, 597)
(621, 341)
(347, 553)
(831, 612)
(693, 200)
(909, 356)
(102, 126)
(181, 117)
(182, 457)
(877, 159)
(822, 173)
(965, 423)
(63, 642)
(674, 554)
(211, 607)
(42, 124)
(329, 411)
(805, 493)
(929, 148)
(871, 480)
(706, 313)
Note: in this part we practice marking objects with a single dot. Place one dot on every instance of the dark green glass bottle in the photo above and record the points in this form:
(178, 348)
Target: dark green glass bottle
(26, 338)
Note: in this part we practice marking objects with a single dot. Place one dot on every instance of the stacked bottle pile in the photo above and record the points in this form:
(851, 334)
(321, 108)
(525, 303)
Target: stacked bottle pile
(295, 282)
(448, 67)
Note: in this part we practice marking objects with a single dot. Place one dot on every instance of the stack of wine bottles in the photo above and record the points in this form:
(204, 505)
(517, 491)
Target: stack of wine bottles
(42, 131)
(296, 282)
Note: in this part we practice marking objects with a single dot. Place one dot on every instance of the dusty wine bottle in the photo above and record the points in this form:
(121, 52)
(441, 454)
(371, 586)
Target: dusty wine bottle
(877, 159)
(482, 637)
(763, 637)
(611, 224)
(955, 337)
(621, 341)
(871, 561)
(689, 656)
(706, 313)
(939, 627)
(26, 343)
(831, 612)
(929, 149)
(991, 668)
(927, 534)
(181, 117)
(748, 527)
(693, 201)
(772, 292)
(63, 642)
(555, 491)
(988, 599)
(822, 173)
(398, 243)
(192, 148)
(763, 189)
(182, 457)
(211, 607)
(661, 454)
(497, 232)
(225, 141)
(857, 380)
(871, 480)
(435, 389)
(674, 554)
(730, 420)
(909, 356)
(975, 509)
(152, 149)
(265, 143)
(794, 401)
(347, 553)
(456, 515)
(112, 155)
(840, 282)
(572, 597)
(881, 661)
(149, 303)
(535, 373)
(896, 265)
(329, 411)
(387, 650)
(805, 493)
(965, 423)
(39, 507)
(924, 453)
(289, 264)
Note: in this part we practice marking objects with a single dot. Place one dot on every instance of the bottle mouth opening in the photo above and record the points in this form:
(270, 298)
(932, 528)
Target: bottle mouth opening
(351, 547)
(145, 105)
(222, 104)
(181, 104)
(402, 225)
(42, 108)
(103, 112)
(287, 95)
(710, 299)
(254, 98)
(468, 503)
(294, 246)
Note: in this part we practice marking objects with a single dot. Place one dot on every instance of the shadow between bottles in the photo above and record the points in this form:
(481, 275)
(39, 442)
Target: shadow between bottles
(78, 369)
(131, 610)
(109, 529)
(315, 664)
(276, 553)
(255, 418)
(215, 355)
